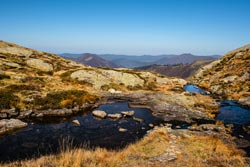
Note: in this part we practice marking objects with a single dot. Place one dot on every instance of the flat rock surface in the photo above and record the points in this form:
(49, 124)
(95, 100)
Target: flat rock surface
(7, 125)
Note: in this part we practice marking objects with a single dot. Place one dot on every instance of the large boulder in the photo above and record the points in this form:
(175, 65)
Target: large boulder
(7, 125)
(40, 65)
(99, 78)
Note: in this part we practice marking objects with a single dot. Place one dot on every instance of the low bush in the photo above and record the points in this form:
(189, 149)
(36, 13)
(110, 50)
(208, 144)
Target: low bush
(4, 76)
(62, 99)
(7, 99)
(18, 88)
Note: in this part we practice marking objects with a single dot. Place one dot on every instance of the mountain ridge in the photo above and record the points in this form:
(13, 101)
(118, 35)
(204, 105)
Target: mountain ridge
(94, 61)
(229, 76)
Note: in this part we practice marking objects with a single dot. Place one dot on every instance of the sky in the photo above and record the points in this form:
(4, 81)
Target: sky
(133, 27)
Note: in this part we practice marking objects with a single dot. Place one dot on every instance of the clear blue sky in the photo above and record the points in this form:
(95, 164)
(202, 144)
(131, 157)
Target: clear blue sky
(127, 26)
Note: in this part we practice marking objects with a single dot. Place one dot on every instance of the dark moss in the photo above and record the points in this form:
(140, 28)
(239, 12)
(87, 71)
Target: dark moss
(7, 99)
(42, 73)
(54, 100)
(18, 88)
(4, 76)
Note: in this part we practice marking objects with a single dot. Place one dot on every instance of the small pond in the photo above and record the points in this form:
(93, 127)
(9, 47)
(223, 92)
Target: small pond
(44, 137)
(231, 112)
(193, 88)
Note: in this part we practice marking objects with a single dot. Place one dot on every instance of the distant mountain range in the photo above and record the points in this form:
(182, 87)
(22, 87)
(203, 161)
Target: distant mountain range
(133, 61)
(179, 70)
(92, 60)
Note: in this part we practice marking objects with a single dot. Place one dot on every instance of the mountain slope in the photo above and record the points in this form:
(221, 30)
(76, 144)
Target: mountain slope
(95, 61)
(179, 70)
(228, 76)
(183, 58)
(50, 85)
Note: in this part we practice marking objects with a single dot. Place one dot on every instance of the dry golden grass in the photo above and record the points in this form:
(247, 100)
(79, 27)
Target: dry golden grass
(202, 151)
(195, 151)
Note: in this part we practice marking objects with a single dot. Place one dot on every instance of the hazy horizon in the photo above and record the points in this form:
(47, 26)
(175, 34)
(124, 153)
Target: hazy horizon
(128, 27)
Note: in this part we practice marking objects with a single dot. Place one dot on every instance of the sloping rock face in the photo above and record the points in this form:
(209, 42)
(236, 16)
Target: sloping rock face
(39, 64)
(175, 106)
(123, 77)
(7, 125)
(229, 76)
(99, 78)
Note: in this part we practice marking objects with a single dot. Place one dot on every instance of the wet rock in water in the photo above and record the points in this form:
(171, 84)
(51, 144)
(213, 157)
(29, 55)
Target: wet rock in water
(7, 125)
(122, 130)
(137, 119)
(76, 122)
(99, 113)
(57, 112)
(114, 116)
(151, 125)
(128, 113)
(39, 115)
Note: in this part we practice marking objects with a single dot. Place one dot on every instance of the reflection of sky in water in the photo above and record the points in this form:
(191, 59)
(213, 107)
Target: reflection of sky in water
(43, 138)
(193, 89)
(232, 112)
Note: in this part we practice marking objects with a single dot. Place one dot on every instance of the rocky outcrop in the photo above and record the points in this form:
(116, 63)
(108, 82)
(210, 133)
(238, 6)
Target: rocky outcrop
(227, 77)
(244, 101)
(7, 125)
(39, 64)
(99, 78)
(173, 107)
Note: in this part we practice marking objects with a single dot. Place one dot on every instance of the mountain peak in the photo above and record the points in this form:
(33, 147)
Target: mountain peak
(95, 61)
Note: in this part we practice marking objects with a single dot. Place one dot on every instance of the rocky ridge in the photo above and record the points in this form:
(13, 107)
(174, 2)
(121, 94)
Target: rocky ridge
(229, 76)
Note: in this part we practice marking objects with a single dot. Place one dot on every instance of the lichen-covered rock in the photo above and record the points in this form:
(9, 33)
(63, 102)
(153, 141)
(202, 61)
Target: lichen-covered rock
(98, 78)
(7, 125)
(12, 65)
(40, 65)
(6, 48)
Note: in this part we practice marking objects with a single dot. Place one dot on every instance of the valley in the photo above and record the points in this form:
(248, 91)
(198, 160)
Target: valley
(47, 98)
